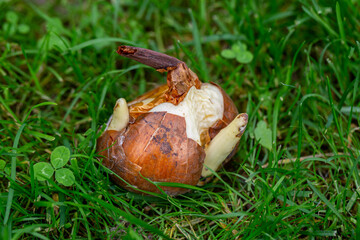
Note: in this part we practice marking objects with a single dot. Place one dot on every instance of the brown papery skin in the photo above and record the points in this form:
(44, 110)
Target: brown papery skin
(163, 153)
(137, 107)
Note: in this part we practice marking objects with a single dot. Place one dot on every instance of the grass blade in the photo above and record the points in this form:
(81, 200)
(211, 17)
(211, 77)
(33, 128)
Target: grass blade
(13, 173)
(100, 40)
(326, 201)
(340, 23)
(198, 48)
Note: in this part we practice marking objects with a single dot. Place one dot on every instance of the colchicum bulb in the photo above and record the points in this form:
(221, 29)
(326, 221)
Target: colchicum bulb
(174, 133)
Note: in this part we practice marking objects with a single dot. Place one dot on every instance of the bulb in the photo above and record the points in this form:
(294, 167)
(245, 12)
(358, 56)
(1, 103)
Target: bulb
(178, 132)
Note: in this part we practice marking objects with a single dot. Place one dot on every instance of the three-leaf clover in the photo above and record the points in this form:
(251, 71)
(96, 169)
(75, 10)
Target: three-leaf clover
(59, 158)
(11, 25)
(238, 51)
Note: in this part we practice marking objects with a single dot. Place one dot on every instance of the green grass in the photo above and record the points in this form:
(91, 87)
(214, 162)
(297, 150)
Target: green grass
(60, 77)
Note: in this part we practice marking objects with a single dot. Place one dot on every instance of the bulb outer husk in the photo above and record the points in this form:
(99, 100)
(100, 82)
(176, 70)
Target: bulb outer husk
(143, 146)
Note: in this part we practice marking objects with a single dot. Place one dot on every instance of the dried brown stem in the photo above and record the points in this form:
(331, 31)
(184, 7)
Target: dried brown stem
(179, 79)
(161, 62)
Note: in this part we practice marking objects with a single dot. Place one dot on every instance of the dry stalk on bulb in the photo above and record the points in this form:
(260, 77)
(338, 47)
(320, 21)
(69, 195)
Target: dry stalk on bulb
(174, 133)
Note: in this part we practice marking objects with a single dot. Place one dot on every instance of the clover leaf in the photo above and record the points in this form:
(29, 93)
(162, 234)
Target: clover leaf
(228, 53)
(264, 135)
(245, 57)
(43, 171)
(23, 28)
(65, 176)
(11, 17)
(2, 165)
(60, 156)
(239, 47)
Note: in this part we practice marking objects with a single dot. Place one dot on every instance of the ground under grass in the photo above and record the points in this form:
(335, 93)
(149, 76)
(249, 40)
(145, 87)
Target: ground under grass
(296, 173)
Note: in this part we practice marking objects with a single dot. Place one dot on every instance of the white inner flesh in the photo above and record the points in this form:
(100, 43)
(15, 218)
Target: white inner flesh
(201, 108)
